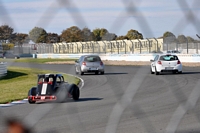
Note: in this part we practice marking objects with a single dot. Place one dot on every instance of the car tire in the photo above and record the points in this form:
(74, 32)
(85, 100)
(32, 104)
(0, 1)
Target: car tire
(174, 72)
(156, 72)
(31, 92)
(76, 70)
(80, 72)
(102, 73)
(151, 71)
(75, 92)
(96, 73)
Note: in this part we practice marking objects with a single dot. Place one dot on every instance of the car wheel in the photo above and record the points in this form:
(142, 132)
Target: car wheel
(30, 100)
(102, 73)
(151, 71)
(75, 93)
(76, 72)
(80, 72)
(174, 72)
(157, 73)
(96, 72)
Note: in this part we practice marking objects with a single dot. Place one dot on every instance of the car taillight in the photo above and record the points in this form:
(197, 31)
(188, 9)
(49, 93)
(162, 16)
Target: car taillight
(159, 62)
(84, 63)
(40, 83)
(178, 62)
(50, 82)
(101, 63)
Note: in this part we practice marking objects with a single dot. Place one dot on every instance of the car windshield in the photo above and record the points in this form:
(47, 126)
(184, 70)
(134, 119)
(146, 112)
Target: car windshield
(92, 59)
(169, 57)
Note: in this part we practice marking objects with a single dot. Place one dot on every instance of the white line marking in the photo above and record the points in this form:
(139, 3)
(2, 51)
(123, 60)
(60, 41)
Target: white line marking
(44, 88)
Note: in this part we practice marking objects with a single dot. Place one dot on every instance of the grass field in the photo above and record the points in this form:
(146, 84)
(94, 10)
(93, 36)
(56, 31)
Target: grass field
(17, 82)
(32, 60)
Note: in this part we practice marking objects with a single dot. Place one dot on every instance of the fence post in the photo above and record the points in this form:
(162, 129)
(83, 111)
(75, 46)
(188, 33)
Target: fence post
(117, 46)
(132, 47)
(140, 45)
(124, 46)
(82, 47)
(187, 44)
(104, 46)
(149, 45)
(111, 46)
(156, 44)
(198, 44)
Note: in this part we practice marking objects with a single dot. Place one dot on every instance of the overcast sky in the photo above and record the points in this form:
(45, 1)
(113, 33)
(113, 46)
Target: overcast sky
(150, 17)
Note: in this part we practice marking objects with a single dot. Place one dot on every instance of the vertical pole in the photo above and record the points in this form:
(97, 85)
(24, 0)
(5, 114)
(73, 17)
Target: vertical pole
(149, 45)
(187, 45)
(132, 46)
(198, 44)
(104, 46)
(140, 45)
(156, 45)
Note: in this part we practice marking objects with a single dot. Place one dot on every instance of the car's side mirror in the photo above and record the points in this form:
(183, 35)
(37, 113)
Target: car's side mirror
(152, 60)
(76, 61)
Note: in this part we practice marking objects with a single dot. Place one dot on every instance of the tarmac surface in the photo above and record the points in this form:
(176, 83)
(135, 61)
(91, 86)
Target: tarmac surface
(126, 99)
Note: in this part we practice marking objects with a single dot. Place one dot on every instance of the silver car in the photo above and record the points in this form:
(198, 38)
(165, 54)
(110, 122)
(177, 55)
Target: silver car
(89, 64)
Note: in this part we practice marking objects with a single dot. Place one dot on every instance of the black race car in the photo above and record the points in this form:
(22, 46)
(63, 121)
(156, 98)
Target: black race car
(52, 87)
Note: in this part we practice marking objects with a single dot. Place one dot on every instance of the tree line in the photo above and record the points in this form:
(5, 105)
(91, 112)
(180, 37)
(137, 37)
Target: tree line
(75, 34)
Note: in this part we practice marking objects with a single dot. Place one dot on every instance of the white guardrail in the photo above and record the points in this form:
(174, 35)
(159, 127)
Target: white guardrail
(3, 68)
(122, 57)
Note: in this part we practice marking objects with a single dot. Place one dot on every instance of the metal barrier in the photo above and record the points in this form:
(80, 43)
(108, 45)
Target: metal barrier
(3, 69)
(122, 57)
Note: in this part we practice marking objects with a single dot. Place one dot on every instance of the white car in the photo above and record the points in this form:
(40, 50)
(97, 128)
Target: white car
(165, 63)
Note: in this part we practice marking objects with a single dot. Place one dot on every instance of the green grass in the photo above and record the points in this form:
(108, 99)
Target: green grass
(32, 60)
(17, 82)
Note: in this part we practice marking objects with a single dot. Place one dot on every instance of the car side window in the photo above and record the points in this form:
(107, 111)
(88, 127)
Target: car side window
(156, 58)
(80, 59)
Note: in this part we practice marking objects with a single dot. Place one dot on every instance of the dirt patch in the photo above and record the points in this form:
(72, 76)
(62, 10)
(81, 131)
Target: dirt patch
(126, 63)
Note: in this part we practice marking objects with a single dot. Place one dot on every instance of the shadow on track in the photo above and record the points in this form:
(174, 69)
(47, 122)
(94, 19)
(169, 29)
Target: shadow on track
(86, 74)
(71, 100)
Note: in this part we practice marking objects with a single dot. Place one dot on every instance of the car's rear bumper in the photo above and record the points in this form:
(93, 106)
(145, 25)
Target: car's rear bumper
(42, 98)
(92, 69)
(177, 68)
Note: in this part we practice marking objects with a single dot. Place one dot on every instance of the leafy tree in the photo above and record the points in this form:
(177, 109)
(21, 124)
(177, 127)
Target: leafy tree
(38, 35)
(190, 39)
(72, 34)
(7, 46)
(6, 33)
(169, 37)
(99, 33)
(181, 39)
(109, 37)
(87, 35)
(121, 38)
(52, 38)
(20, 38)
(134, 34)
(168, 34)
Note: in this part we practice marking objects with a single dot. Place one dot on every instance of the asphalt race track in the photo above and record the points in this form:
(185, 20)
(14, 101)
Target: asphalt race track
(127, 99)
